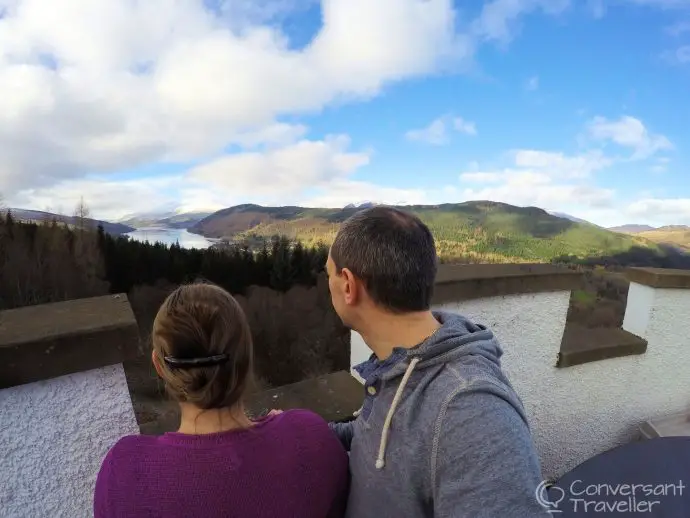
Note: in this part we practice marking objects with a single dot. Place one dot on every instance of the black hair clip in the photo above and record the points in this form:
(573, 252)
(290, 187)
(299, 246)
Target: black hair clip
(188, 363)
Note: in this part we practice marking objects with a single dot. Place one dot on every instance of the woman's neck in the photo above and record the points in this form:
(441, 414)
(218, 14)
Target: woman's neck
(196, 421)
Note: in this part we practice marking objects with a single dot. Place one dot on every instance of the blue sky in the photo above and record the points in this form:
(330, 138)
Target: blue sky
(574, 106)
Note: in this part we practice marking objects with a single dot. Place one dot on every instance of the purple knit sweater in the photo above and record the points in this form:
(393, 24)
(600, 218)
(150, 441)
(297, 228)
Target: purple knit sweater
(287, 465)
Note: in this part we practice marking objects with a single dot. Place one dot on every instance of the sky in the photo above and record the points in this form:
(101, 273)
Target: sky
(577, 106)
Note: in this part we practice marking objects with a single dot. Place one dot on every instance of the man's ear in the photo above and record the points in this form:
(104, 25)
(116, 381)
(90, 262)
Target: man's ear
(156, 365)
(351, 287)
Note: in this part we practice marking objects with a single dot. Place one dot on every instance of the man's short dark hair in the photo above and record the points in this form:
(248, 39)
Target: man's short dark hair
(393, 253)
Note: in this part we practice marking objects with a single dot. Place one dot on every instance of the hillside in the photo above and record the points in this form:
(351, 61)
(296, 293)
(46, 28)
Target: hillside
(483, 230)
(676, 235)
(37, 216)
(631, 229)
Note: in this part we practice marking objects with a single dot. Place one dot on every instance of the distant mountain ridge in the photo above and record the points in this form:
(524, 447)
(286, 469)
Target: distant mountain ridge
(632, 229)
(39, 216)
(180, 220)
(485, 230)
(571, 218)
(677, 236)
(363, 205)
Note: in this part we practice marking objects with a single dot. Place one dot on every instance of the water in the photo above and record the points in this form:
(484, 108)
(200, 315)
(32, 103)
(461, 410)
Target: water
(170, 236)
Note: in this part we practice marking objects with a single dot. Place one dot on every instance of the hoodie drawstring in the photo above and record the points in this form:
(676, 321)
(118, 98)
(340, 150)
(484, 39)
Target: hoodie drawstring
(380, 462)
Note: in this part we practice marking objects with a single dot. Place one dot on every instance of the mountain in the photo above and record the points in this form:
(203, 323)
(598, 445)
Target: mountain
(165, 219)
(631, 229)
(38, 216)
(481, 229)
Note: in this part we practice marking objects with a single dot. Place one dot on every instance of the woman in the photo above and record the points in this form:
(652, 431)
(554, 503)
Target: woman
(219, 463)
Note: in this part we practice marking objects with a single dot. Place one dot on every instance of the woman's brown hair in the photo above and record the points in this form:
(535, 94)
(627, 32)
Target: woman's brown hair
(202, 321)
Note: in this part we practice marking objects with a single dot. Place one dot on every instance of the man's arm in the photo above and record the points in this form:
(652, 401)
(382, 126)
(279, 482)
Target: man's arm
(483, 462)
(344, 432)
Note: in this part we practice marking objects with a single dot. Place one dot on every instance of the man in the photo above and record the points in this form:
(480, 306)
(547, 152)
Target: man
(441, 432)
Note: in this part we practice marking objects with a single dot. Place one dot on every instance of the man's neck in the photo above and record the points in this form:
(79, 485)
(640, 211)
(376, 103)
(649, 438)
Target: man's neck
(195, 421)
(387, 331)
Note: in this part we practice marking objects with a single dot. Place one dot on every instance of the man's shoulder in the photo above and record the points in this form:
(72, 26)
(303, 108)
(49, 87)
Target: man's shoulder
(471, 375)
(477, 385)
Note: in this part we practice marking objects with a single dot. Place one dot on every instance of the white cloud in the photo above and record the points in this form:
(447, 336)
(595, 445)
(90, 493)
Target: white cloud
(561, 182)
(277, 174)
(284, 170)
(274, 134)
(481, 177)
(108, 198)
(512, 177)
(542, 178)
(341, 193)
(561, 165)
(463, 126)
(558, 181)
(551, 197)
(532, 83)
(508, 177)
(631, 133)
(436, 133)
(660, 211)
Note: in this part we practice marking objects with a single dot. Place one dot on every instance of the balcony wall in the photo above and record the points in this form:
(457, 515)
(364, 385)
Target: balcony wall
(64, 401)
(584, 392)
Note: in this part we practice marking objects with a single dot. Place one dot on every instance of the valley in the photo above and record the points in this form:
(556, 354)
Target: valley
(475, 231)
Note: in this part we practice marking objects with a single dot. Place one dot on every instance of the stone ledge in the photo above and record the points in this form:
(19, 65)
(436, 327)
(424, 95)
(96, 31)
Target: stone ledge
(456, 282)
(51, 340)
(660, 277)
(583, 345)
(333, 396)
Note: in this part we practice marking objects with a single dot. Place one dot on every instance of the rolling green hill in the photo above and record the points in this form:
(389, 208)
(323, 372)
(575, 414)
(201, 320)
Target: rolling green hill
(482, 230)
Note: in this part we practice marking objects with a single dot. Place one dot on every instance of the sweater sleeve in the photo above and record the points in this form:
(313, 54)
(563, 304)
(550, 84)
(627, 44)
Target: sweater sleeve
(100, 497)
(344, 432)
(483, 461)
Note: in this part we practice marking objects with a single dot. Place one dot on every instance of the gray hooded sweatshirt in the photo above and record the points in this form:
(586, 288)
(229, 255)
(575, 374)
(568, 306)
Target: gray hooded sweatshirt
(441, 433)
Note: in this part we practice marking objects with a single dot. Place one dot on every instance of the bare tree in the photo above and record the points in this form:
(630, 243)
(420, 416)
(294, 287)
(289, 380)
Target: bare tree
(81, 215)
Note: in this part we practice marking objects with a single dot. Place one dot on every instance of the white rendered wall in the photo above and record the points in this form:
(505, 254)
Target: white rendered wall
(639, 309)
(577, 412)
(53, 437)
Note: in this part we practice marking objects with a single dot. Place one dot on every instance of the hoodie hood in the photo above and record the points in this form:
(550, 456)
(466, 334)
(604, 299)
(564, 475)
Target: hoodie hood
(456, 337)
